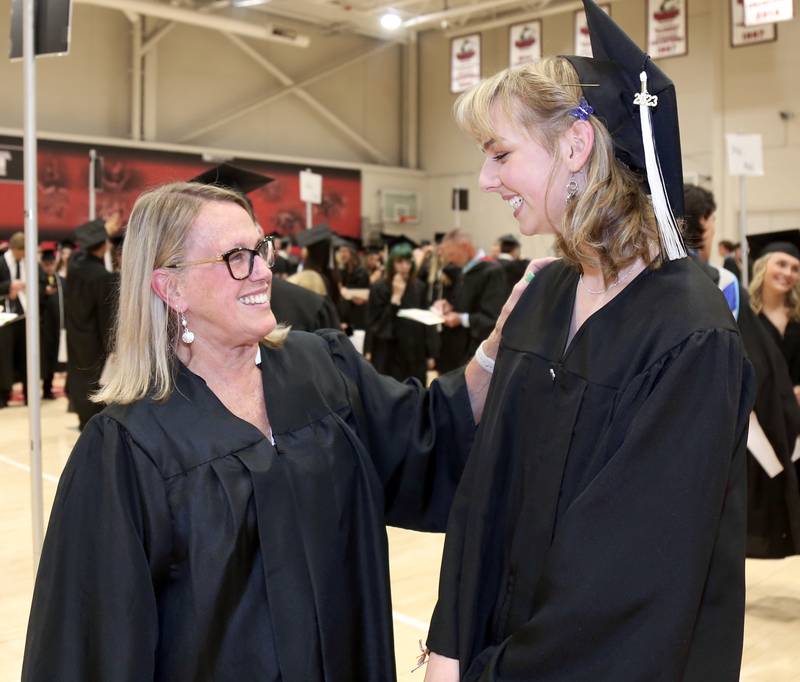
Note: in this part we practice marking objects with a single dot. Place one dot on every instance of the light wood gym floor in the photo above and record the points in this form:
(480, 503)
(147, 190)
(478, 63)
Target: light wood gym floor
(772, 638)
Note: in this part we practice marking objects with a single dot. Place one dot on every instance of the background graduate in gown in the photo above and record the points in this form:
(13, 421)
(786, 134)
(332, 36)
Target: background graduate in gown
(224, 517)
(773, 496)
(598, 532)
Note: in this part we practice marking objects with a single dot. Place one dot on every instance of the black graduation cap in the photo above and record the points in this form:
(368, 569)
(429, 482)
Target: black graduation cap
(785, 241)
(349, 242)
(646, 136)
(67, 244)
(91, 234)
(508, 240)
(392, 240)
(438, 237)
(319, 234)
(232, 177)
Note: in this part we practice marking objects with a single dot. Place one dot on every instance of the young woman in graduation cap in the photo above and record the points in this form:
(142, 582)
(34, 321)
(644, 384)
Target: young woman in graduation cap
(598, 532)
(775, 292)
(223, 519)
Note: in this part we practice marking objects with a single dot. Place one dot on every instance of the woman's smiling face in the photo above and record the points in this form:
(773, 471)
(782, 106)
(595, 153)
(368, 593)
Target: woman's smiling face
(525, 175)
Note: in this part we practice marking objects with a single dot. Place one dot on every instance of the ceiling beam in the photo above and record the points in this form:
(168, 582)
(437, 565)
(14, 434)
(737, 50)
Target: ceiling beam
(215, 22)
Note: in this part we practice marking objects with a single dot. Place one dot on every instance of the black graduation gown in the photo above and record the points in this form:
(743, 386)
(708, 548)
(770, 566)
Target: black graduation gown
(89, 305)
(304, 310)
(9, 333)
(773, 504)
(400, 348)
(514, 269)
(51, 321)
(789, 344)
(352, 314)
(599, 529)
(480, 292)
(184, 547)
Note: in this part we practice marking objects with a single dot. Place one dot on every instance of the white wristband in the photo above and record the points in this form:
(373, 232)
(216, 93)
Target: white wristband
(485, 362)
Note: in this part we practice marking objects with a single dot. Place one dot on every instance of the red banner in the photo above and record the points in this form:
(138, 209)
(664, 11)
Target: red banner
(64, 180)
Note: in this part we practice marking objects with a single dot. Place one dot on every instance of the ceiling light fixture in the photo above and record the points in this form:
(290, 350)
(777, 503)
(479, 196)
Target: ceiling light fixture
(391, 21)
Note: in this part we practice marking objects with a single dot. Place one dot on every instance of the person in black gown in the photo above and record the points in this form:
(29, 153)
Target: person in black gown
(223, 518)
(775, 292)
(399, 347)
(352, 310)
(598, 532)
(773, 496)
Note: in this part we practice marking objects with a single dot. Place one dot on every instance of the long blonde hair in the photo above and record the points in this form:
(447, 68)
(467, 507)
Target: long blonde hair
(146, 329)
(756, 290)
(611, 222)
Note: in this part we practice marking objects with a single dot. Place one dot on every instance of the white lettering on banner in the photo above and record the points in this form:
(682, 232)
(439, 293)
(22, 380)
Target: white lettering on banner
(5, 157)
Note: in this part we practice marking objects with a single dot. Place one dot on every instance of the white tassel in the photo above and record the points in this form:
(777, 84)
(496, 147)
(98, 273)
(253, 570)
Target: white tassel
(671, 241)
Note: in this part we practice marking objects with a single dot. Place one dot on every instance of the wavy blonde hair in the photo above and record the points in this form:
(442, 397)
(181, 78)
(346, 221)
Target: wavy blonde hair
(756, 290)
(611, 222)
(146, 328)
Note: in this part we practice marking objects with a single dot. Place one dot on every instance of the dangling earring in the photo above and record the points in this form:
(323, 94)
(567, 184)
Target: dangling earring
(187, 337)
(572, 189)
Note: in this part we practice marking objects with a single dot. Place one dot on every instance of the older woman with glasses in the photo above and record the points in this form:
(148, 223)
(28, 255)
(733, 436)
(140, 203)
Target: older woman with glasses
(223, 518)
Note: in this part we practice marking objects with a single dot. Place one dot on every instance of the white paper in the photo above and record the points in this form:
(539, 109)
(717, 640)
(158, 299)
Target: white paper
(357, 339)
(796, 453)
(745, 154)
(350, 294)
(5, 318)
(757, 12)
(748, 35)
(310, 187)
(759, 446)
(427, 317)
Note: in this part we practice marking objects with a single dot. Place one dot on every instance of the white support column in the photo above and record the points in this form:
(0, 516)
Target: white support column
(136, 77)
(150, 82)
(410, 102)
(32, 281)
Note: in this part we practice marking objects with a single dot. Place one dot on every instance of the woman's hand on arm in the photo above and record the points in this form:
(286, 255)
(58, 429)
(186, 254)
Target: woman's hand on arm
(477, 378)
(442, 669)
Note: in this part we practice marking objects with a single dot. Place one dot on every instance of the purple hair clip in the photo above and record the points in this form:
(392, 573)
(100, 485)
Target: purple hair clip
(582, 111)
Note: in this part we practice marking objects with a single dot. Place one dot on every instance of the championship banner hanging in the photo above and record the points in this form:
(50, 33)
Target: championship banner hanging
(583, 45)
(465, 62)
(757, 12)
(525, 43)
(742, 34)
(666, 28)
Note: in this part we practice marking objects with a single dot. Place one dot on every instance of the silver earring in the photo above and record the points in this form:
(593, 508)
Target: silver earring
(187, 337)
(572, 189)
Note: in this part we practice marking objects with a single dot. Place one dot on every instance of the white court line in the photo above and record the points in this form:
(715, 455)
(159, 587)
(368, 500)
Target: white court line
(408, 620)
(25, 467)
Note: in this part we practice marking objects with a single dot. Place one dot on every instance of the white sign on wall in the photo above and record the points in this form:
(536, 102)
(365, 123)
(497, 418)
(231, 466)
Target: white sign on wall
(666, 28)
(310, 187)
(525, 43)
(745, 154)
(465, 62)
(742, 34)
(583, 45)
(757, 12)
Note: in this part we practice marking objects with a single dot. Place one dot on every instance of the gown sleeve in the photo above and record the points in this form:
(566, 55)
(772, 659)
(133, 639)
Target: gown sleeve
(94, 614)
(491, 299)
(657, 534)
(418, 439)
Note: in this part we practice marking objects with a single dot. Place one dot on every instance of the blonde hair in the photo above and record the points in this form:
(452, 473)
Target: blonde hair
(756, 290)
(611, 222)
(309, 279)
(146, 329)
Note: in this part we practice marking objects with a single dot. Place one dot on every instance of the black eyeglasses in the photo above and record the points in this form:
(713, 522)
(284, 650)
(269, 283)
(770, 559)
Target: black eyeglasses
(239, 260)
